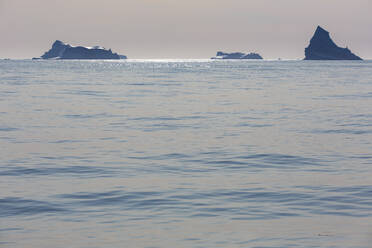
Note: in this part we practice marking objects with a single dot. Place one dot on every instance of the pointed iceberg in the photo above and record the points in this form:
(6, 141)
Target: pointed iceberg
(322, 47)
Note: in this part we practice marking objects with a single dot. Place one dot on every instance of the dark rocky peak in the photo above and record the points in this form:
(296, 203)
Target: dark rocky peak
(321, 32)
(58, 44)
(321, 37)
(322, 47)
(56, 51)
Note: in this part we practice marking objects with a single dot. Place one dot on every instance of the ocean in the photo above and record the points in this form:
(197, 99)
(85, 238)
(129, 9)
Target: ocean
(185, 153)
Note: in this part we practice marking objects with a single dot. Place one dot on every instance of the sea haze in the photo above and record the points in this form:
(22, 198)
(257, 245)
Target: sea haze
(192, 153)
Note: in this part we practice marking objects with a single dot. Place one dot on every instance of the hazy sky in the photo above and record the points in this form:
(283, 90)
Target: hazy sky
(183, 28)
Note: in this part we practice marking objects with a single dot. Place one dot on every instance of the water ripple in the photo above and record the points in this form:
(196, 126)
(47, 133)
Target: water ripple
(255, 203)
(8, 129)
(15, 206)
(79, 171)
(112, 150)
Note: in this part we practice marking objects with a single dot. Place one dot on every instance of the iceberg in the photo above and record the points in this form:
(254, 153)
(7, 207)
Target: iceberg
(61, 50)
(322, 47)
(237, 55)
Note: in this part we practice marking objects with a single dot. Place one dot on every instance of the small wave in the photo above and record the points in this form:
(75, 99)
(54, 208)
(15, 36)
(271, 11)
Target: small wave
(68, 141)
(236, 204)
(79, 171)
(15, 206)
(8, 129)
(341, 131)
(351, 97)
(162, 156)
(267, 161)
(88, 116)
(86, 93)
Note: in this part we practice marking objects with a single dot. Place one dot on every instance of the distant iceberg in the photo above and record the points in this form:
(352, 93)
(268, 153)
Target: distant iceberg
(322, 47)
(237, 55)
(61, 50)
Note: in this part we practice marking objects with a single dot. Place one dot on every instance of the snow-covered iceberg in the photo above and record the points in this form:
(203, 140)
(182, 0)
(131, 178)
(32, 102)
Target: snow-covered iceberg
(237, 55)
(61, 50)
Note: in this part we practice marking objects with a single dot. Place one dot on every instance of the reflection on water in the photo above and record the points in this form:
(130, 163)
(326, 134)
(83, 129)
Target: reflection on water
(193, 153)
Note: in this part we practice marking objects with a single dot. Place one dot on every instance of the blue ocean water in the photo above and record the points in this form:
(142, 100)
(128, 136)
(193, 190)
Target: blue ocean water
(185, 153)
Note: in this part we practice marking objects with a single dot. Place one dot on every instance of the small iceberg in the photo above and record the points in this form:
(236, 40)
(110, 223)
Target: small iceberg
(237, 55)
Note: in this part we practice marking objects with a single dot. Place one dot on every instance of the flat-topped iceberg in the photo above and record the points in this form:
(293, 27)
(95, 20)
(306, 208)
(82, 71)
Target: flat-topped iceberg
(61, 50)
(322, 47)
(237, 55)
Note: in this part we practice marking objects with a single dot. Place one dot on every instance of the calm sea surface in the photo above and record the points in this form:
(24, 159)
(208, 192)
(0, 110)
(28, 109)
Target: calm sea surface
(194, 153)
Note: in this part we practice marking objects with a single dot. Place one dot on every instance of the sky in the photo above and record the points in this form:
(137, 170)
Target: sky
(183, 28)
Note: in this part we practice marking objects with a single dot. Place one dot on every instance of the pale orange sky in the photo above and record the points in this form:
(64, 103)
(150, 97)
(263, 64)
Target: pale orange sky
(183, 28)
